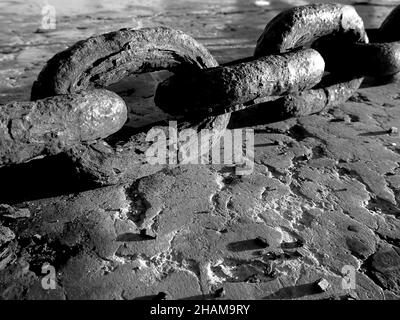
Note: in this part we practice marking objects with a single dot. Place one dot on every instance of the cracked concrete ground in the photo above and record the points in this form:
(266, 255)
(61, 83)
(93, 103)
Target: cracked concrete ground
(324, 194)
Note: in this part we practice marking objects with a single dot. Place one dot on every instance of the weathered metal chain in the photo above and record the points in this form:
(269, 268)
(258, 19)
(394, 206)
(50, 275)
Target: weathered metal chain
(224, 89)
(380, 57)
(69, 115)
(106, 59)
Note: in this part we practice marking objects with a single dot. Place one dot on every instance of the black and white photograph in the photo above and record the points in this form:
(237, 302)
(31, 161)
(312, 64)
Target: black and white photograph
(199, 157)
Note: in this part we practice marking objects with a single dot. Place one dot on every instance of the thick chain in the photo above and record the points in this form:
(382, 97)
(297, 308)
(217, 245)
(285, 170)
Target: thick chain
(228, 88)
(69, 116)
(106, 59)
(380, 57)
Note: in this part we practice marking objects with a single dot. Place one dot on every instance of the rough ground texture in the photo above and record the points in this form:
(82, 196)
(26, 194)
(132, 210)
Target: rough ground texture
(324, 194)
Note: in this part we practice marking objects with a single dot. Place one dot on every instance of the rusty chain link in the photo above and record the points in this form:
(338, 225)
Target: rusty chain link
(380, 57)
(227, 88)
(224, 89)
(296, 69)
(42, 127)
(106, 59)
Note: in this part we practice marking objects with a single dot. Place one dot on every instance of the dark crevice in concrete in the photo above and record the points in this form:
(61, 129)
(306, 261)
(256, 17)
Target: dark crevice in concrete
(37, 179)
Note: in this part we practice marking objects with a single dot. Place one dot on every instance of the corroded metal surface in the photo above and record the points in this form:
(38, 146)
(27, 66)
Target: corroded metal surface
(52, 125)
(102, 60)
(377, 59)
(302, 25)
(108, 58)
(228, 87)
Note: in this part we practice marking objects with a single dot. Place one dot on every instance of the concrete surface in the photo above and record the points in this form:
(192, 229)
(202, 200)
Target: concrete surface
(325, 192)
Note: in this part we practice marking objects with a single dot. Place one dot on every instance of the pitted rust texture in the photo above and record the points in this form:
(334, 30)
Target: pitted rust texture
(377, 59)
(315, 100)
(105, 59)
(228, 87)
(383, 57)
(52, 125)
(302, 26)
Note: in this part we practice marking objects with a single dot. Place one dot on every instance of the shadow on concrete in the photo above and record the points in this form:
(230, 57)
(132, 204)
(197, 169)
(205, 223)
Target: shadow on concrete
(38, 179)
(265, 145)
(258, 114)
(197, 297)
(373, 133)
(370, 82)
(149, 297)
(200, 297)
(132, 237)
(294, 292)
(244, 245)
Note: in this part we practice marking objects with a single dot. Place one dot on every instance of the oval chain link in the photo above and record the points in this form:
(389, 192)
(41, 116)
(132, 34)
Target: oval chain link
(284, 78)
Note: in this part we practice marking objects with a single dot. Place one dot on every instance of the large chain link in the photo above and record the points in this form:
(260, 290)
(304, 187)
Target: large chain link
(69, 115)
(379, 58)
(232, 87)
